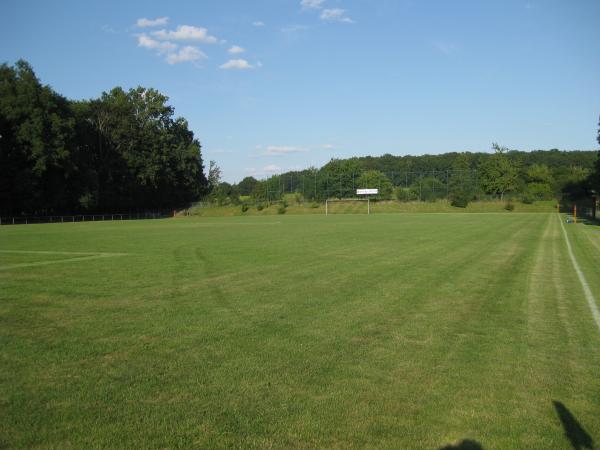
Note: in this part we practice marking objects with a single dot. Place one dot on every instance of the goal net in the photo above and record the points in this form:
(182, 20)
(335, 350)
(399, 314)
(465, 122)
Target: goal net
(347, 206)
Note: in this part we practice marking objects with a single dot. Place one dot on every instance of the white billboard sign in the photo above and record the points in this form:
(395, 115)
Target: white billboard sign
(367, 191)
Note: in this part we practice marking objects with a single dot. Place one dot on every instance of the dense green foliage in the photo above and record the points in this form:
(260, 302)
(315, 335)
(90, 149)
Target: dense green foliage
(459, 177)
(411, 331)
(122, 151)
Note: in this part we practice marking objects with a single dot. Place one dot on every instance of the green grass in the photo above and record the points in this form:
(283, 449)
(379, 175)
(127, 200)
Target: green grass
(300, 331)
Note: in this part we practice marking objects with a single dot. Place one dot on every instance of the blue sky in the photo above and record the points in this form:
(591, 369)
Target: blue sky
(270, 86)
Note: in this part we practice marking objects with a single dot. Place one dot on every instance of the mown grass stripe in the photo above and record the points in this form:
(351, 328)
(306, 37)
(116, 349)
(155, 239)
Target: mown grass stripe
(589, 296)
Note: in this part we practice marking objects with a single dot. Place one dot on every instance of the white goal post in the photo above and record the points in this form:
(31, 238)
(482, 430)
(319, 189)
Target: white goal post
(361, 192)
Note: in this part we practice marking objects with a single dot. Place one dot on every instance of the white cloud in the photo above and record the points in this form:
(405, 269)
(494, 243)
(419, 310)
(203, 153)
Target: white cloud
(186, 33)
(143, 22)
(335, 15)
(283, 150)
(328, 146)
(239, 64)
(272, 168)
(265, 171)
(235, 49)
(185, 54)
(258, 23)
(161, 47)
(311, 4)
(174, 54)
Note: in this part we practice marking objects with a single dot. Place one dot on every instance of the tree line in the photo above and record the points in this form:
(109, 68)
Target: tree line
(124, 151)
(460, 177)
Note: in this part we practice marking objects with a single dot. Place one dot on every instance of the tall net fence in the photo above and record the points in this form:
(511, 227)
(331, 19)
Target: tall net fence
(405, 186)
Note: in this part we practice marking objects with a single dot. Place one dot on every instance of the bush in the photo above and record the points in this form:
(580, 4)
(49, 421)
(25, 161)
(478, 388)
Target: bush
(298, 198)
(260, 206)
(281, 209)
(510, 206)
(244, 207)
(284, 203)
(314, 205)
(460, 201)
(459, 198)
(528, 198)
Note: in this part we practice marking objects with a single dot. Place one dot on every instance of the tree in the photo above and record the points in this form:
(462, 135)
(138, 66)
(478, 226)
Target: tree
(246, 186)
(576, 183)
(36, 137)
(428, 189)
(374, 179)
(214, 175)
(462, 186)
(225, 194)
(539, 182)
(499, 174)
(338, 178)
(122, 151)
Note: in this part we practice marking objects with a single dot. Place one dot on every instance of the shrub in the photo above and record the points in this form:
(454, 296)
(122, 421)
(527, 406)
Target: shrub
(244, 207)
(459, 198)
(528, 198)
(281, 209)
(314, 205)
(260, 206)
(510, 206)
(284, 203)
(460, 201)
(298, 198)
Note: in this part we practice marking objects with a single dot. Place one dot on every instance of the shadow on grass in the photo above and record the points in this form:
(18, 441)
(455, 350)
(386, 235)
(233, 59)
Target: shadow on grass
(577, 436)
(467, 444)
(588, 221)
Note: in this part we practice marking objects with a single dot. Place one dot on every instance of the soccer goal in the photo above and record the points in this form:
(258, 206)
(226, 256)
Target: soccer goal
(348, 206)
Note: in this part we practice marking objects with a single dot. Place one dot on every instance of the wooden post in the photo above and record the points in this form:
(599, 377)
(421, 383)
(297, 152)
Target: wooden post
(574, 213)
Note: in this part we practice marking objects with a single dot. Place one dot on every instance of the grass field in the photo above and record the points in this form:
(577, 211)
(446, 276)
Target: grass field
(432, 331)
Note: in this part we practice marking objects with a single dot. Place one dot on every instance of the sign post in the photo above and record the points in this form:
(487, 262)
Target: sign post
(367, 192)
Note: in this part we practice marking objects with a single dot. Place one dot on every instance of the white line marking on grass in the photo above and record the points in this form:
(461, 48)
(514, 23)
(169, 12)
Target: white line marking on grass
(89, 256)
(586, 287)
